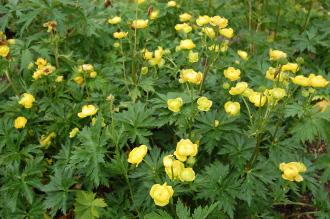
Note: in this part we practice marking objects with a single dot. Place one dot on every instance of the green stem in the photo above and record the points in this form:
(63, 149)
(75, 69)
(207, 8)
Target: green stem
(307, 16)
(254, 156)
(248, 109)
(278, 13)
(11, 83)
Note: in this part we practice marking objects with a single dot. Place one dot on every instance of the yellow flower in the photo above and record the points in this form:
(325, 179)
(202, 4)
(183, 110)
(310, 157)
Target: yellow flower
(291, 171)
(185, 17)
(209, 32)
(173, 172)
(301, 80)
(171, 4)
(185, 148)
(161, 194)
(193, 56)
(45, 141)
(140, 24)
(227, 32)
(41, 62)
(232, 108)
(243, 55)
(239, 88)
(187, 174)
(216, 123)
(175, 104)
(186, 28)
(202, 20)
(87, 110)
(154, 15)
(204, 104)
(20, 122)
(93, 74)
(59, 79)
(4, 50)
(293, 67)
(73, 132)
(232, 73)
(322, 105)
(87, 67)
(137, 154)
(120, 35)
(189, 75)
(219, 21)
(147, 54)
(317, 81)
(27, 100)
(114, 20)
(277, 93)
(187, 44)
(168, 161)
(270, 75)
(258, 99)
(226, 85)
(79, 80)
(276, 55)
(116, 44)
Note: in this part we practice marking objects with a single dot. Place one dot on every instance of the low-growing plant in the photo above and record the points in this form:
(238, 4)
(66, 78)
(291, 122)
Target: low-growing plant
(164, 109)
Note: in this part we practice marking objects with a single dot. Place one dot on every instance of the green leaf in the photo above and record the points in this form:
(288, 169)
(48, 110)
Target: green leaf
(182, 211)
(87, 206)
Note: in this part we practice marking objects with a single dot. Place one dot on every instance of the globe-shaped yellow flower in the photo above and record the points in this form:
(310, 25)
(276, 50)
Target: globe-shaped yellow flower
(140, 24)
(120, 35)
(185, 17)
(191, 76)
(186, 28)
(317, 81)
(20, 122)
(137, 154)
(193, 57)
(301, 80)
(175, 104)
(161, 194)
(232, 108)
(4, 51)
(202, 20)
(73, 132)
(171, 4)
(258, 99)
(87, 110)
(204, 104)
(185, 148)
(243, 55)
(292, 67)
(208, 31)
(291, 171)
(232, 73)
(27, 100)
(219, 21)
(227, 32)
(276, 55)
(114, 20)
(239, 88)
(187, 175)
(187, 44)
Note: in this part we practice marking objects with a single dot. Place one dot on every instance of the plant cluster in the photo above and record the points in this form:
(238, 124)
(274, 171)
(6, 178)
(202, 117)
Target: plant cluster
(164, 109)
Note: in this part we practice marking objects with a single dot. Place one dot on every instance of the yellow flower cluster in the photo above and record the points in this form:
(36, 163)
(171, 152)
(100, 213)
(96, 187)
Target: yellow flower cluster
(190, 76)
(85, 70)
(154, 58)
(87, 110)
(161, 194)
(43, 69)
(175, 168)
(137, 154)
(291, 171)
(316, 81)
(27, 100)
